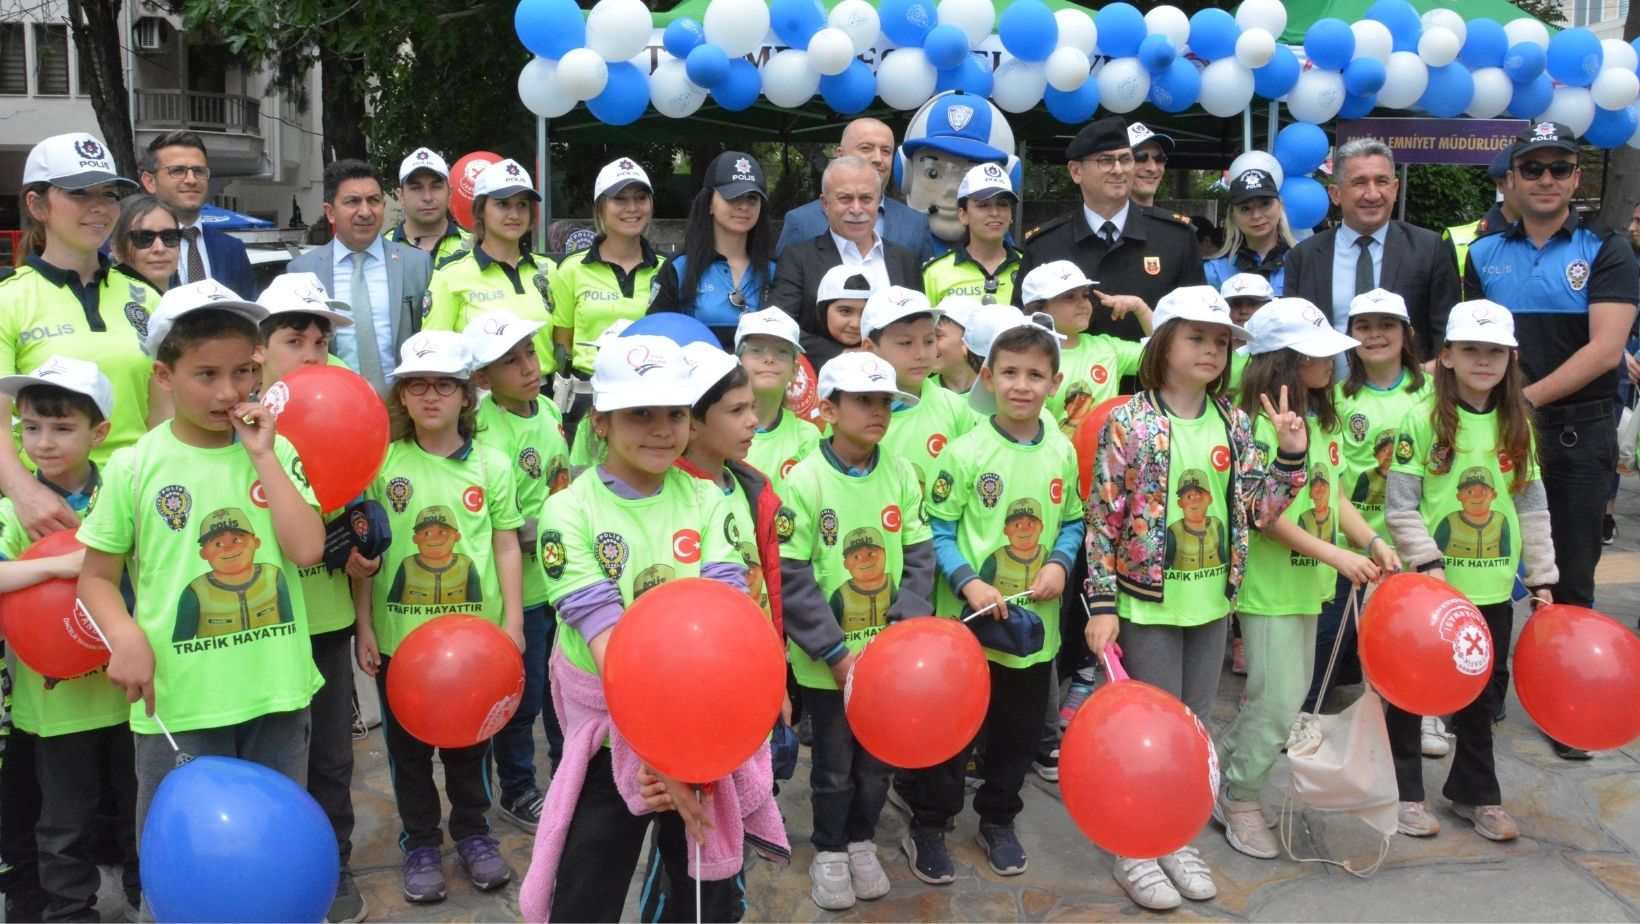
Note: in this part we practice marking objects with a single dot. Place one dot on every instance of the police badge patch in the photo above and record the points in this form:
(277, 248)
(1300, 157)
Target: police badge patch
(785, 523)
(545, 290)
(828, 526)
(1577, 274)
(1404, 450)
(990, 488)
(553, 554)
(174, 503)
(612, 554)
(942, 487)
(1358, 426)
(398, 493)
(426, 304)
(138, 316)
(530, 461)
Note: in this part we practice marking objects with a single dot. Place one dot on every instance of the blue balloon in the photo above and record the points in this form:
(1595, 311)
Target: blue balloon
(1484, 45)
(1176, 89)
(1613, 128)
(1532, 98)
(681, 329)
(1575, 57)
(707, 66)
(969, 77)
(1213, 34)
(229, 840)
(1399, 16)
(796, 21)
(1636, 46)
(850, 91)
(1121, 29)
(907, 21)
(1356, 107)
(1450, 91)
(1028, 30)
(548, 28)
(1300, 148)
(1304, 200)
(1364, 76)
(625, 97)
(1157, 53)
(1524, 61)
(682, 36)
(945, 47)
(1273, 80)
(1329, 43)
(739, 90)
(1073, 107)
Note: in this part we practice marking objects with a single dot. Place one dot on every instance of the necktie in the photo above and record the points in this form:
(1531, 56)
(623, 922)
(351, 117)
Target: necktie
(1108, 232)
(1364, 281)
(364, 324)
(196, 260)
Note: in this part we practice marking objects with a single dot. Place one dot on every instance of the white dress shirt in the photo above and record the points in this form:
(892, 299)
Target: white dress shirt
(871, 263)
(1345, 253)
(1095, 221)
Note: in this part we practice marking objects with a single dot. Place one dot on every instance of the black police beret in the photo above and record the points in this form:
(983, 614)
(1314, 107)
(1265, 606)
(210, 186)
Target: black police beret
(1107, 134)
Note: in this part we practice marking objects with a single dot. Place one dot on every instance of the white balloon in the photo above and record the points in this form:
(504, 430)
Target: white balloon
(1076, 29)
(1258, 160)
(1372, 40)
(1619, 54)
(905, 79)
(1438, 46)
(830, 51)
(1227, 88)
(1526, 29)
(1269, 15)
(1614, 88)
(1446, 18)
(736, 26)
(859, 19)
(1123, 84)
(671, 93)
(1169, 21)
(1066, 69)
(788, 81)
(1572, 108)
(1017, 85)
(539, 90)
(1405, 78)
(582, 73)
(618, 29)
(1493, 91)
(1255, 47)
(1317, 96)
(974, 17)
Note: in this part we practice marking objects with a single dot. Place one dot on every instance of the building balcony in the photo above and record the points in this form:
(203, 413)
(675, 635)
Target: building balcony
(231, 126)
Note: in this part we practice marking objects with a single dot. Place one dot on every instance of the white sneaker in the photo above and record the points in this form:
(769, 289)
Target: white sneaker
(1146, 884)
(1189, 874)
(833, 886)
(866, 871)
(1434, 740)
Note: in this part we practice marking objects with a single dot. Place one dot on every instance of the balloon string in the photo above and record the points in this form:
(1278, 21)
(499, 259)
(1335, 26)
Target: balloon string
(85, 611)
(986, 609)
(698, 871)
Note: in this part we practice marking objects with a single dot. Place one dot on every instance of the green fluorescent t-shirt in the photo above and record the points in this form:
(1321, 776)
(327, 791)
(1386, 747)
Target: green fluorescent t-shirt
(776, 450)
(1093, 371)
(919, 433)
(540, 465)
(1370, 419)
(216, 595)
(1279, 581)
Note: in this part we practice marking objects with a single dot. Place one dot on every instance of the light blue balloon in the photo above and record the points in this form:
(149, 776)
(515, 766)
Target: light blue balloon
(1524, 61)
(1613, 128)
(1157, 53)
(906, 22)
(1300, 148)
(1176, 88)
(850, 91)
(796, 21)
(1532, 98)
(1329, 43)
(681, 329)
(1450, 91)
(1304, 200)
(625, 97)
(549, 28)
(1575, 57)
(1028, 30)
(1364, 76)
(707, 66)
(1273, 80)
(739, 90)
(969, 77)
(945, 47)
(1121, 29)
(682, 36)
(1356, 107)
(1073, 107)
(1213, 34)
(1484, 44)
(1399, 16)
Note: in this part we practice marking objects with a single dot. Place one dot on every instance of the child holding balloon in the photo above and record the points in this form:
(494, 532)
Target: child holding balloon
(1165, 561)
(450, 504)
(1465, 504)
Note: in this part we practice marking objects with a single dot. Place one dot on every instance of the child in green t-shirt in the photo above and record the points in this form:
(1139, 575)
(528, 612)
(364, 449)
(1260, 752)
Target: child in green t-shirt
(768, 343)
(955, 369)
(217, 461)
(898, 325)
(78, 726)
(1094, 364)
(1245, 293)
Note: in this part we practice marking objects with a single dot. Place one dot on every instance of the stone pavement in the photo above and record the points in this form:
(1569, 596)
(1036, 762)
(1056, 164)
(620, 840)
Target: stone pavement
(1578, 858)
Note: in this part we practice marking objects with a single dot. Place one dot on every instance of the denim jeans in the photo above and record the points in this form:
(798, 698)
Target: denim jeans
(847, 784)
(515, 743)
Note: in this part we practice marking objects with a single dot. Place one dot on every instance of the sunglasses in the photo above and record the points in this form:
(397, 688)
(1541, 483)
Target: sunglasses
(1143, 156)
(736, 298)
(143, 239)
(1533, 169)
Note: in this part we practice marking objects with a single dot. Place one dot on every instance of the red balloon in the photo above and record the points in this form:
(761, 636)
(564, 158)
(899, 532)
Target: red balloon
(694, 675)
(1137, 771)
(802, 395)
(463, 179)
(1424, 646)
(1086, 438)
(338, 426)
(455, 681)
(918, 692)
(1578, 675)
(45, 624)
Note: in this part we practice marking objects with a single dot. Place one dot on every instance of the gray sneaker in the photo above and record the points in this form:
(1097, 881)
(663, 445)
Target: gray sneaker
(481, 857)
(348, 906)
(424, 875)
(524, 809)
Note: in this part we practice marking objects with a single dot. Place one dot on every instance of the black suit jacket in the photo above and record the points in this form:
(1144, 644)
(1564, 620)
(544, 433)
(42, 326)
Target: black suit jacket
(797, 282)
(1418, 266)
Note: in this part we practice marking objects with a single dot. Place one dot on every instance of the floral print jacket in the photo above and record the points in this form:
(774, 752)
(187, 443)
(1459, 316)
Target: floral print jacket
(1127, 509)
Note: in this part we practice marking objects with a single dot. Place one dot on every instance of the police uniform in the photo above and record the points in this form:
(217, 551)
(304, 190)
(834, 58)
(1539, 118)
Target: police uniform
(585, 278)
(472, 283)
(451, 243)
(956, 273)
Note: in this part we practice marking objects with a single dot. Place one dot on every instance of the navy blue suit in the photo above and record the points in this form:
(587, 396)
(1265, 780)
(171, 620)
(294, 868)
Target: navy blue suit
(229, 265)
(902, 225)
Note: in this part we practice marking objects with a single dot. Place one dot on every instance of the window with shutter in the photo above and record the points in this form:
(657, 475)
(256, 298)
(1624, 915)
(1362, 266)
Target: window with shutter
(13, 60)
(50, 59)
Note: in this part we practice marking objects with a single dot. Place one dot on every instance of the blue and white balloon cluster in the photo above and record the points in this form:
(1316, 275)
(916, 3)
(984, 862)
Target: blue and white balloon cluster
(1074, 62)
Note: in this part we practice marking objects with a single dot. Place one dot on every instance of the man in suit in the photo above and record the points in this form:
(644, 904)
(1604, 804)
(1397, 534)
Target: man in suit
(1370, 250)
(384, 281)
(873, 142)
(849, 193)
(174, 169)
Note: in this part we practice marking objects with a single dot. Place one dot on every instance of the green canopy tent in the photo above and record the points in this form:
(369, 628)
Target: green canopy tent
(1300, 16)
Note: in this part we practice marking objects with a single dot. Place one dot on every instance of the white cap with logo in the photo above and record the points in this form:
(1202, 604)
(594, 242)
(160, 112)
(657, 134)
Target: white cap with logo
(1379, 301)
(1296, 324)
(893, 304)
(642, 370)
(835, 284)
(76, 160)
(1481, 321)
(1056, 277)
(985, 181)
(206, 293)
(770, 322)
(708, 364)
(1202, 304)
(293, 293)
(986, 329)
(76, 375)
(1247, 285)
(490, 335)
(1138, 133)
(860, 373)
(434, 352)
(504, 178)
(423, 159)
(962, 309)
(618, 175)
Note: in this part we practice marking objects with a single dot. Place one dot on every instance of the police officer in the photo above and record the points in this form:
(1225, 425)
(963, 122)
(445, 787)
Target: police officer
(424, 198)
(1150, 152)
(984, 265)
(1126, 248)
(1502, 213)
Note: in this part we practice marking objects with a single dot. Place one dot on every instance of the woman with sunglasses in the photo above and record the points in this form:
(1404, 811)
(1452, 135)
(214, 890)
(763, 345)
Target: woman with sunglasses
(63, 300)
(1258, 237)
(728, 250)
(147, 241)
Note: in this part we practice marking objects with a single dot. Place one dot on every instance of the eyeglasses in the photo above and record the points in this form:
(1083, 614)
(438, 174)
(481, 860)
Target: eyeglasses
(143, 239)
(1156, 156)
(1533, 169)
(990, 296)
(181, 171)
(1108, 163)
(443, 387)
(764, 351)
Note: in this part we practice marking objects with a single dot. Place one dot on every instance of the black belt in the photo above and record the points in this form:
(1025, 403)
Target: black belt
(1566, 417)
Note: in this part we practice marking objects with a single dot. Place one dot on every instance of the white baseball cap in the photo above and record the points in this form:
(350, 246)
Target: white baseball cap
(1481, 321)
(423, 159)
(490, 335)
(434, 352)
(504, 178)
(990, 326)
(860, 373)
(1201, 304)
(206, 293)
(835, 284)
(1056, 277)
(1379, 301)
(615, 329)
(1247, 285)
(618, 175)
(76, 375)
(76, 160)
(1297, 324)
(642, 370)
(291, 293)
(961, 309)
(708, 364)
(985, 181)
(770, 322)
(1138, 133)
(890, 305)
